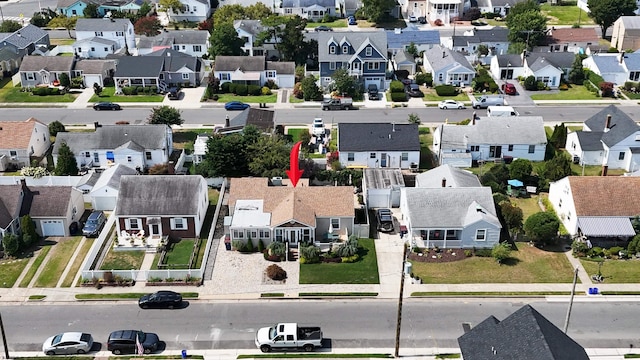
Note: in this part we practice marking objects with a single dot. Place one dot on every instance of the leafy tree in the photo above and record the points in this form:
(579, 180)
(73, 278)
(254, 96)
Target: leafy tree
(64, 79)
(62, 21)
(635, 222)
(501, 252)
(227, 155)
(606, 12)
(11, 244)
(228, 14)
(165, 115)
(257, 11)
(67, 164)
(56, 127)
(310, 88)
(482, 50)
(541, 227)
(634, 245)
(148, 25)
(9, 26)
(520, 169)
(558, 167)
(512, 215)
(225, 41)
(29, 234)
(91, 11)
(576, 74)
(530, 83)
(39, 20)
(268, 156)
(343, 83)
(414, 118)
(171, 6)
(290, 33)
(516, 48)
(528, 27)
(412, 49)
(377, 10)
(144, 10)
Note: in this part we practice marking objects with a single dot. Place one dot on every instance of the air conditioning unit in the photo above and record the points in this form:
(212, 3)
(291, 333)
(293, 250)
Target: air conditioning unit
(276, 181)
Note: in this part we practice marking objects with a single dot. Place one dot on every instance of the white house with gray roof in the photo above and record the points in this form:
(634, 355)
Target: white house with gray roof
(254, 70)
(447, 176)
(95, 48)
(94, 71)
(190, 42)
(494, 39)
(448, 67)
(104, 193)
(546, 67)
(192, 10)
(136, 146)
(609, 138)
(616, 68)
(312, 10)
(401, 39)
(490, 138)
(448, 217)
(118, 30)
(249, 30)
(37, 70)
(371, 145)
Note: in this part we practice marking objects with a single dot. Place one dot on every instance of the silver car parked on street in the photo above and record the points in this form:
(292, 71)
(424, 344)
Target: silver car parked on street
(68, 343)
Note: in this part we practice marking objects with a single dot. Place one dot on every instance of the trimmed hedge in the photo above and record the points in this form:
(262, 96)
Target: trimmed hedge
(446, 90)
(396, 87)
(398, 96)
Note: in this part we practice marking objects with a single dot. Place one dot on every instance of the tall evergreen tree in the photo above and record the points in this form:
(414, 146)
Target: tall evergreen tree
(67, 164)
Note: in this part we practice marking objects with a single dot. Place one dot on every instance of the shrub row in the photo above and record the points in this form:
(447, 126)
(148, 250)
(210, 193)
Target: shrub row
(244, 90)
(44, 91)
(397, 91)
(139, 90)
(446, 90)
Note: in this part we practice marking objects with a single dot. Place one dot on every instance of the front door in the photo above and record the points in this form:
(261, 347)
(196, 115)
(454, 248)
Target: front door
(292, 236)
(154, 229)
(383, 160)
(495, 151)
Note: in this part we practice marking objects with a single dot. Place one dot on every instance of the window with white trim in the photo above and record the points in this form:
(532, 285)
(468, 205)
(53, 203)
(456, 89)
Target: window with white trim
(30, 76)
(481, 235)
(350, 156)
(197, 48)
(332, 49)
(279, 233)
(176, 47)
(98, 33)
(185, 76)
(335, 223)
(372, 155)
(178, 224)
(132, 224)
(265, 234)
(271, 73)
(368, 51)
(404, 157)
(238, 234)
(306, 235)
(373, 65)
(532, 149)
(225, 76)
(332, 65)
(119, 33)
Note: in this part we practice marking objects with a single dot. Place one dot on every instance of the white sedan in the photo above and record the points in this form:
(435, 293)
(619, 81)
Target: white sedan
(68, 343)
(450, 104)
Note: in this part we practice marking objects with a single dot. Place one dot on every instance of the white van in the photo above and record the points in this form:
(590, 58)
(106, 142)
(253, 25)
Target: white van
(501, 111)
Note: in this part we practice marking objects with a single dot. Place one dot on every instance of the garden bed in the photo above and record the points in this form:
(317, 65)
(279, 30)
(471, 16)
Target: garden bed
(441, 256)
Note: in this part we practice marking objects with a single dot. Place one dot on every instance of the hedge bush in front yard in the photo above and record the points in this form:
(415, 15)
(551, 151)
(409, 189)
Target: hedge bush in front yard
(398, 96)
(446, 90)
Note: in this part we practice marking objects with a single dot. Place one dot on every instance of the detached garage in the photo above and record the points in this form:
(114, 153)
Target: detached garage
(52, 208)
(381, 187)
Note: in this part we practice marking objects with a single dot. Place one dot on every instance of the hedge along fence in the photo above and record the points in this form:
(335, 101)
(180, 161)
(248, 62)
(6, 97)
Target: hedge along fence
(397, 91)
(593, 82)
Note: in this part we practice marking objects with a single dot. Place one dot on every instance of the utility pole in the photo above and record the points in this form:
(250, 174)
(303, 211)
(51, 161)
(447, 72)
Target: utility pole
(573, 292)
(4, 339)
(399, 318)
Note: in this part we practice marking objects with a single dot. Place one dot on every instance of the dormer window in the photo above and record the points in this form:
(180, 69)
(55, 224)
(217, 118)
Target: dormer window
(345, 49)
(332, 49)
(368, 51)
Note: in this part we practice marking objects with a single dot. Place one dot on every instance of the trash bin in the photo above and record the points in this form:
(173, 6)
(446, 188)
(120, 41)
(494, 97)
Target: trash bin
(184, 354)
(407, 268)
(227, 242)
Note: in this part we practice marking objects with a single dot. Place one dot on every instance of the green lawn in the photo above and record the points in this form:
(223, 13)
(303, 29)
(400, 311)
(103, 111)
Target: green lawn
(431, 95)
(527, 265)
(338, 23)
(62, 252)
(10, 94)
(295, 100)
(123, 260)
(270, 99)
(178, 257)
(42, 253)
(108, 95)
(296, 134)
(68, 281)
(184, 139)
(426, 155)
(567, 14)
(575, 92)
(10, 270)
(594, 170)
(614, 271)
(364, 271)
(529, 206)
(214, 195)
(389, 25)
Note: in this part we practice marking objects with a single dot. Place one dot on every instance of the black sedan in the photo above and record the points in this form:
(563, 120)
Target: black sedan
(161, 300)
(106, 106)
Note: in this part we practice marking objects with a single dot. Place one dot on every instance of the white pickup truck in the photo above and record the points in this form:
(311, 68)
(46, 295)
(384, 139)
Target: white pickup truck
(288, 336)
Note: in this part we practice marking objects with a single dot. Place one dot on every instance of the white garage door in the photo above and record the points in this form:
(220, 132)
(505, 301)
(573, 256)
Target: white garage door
(92, 79)
(377, 201)
(107, 203)
(372, 80)
(52, 227)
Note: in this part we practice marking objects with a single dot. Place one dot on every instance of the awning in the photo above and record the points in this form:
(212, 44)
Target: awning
(606, 226)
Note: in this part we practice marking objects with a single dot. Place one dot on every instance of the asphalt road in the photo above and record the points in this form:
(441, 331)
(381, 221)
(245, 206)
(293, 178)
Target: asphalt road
(211, 116)
(347, 324)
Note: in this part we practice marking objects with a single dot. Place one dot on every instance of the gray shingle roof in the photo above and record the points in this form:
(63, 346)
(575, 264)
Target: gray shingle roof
(254, 27)
(523, 335)
(590, 140)
(497, 34)
(9, 203)
(632, 61)
(496, 131)
(509, 60)
(450, 207)
(621, 125)
(26, 36)
(282, 67)
(168, 38)
(104, 24)
(356, 137)
(8, 54)
(89, 66)
(307, 3)
(563, 60)
(167, 195)
(440, 57)
(139, 66)
(46, 201)
(95, 39)
(49, 63)
(454, 177)
(112, 136)
(244, 63)
(260, 118)
(404, 57)
(630, 22)
(376, 38)
(111, 176)
(423, 37)
(175, 60)
(608, 64)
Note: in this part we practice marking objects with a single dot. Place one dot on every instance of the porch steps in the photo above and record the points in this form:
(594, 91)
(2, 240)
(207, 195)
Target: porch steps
(294, 254)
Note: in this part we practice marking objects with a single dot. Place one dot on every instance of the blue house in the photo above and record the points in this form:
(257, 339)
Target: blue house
(362, 54)
(71, 8)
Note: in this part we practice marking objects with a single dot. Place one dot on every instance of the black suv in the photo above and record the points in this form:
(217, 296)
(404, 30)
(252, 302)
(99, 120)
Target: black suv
(373, 92)
(124, 341)
(413, 90)
(173, 93)
(385, 220)
(94, 224)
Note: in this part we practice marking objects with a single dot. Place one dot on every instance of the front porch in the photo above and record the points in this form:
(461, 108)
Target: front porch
(138, 241)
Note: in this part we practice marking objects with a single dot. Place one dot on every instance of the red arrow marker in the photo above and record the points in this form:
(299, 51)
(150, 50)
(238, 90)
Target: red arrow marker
(294, 173)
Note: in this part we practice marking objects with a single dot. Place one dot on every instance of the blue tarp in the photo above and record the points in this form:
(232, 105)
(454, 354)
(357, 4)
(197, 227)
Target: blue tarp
(515, 183)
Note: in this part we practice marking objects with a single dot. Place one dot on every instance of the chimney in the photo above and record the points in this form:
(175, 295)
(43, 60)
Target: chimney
(444, 182)
(605, 168)
(171, 168)
(607, 124)
(226, 122)
(621, 57)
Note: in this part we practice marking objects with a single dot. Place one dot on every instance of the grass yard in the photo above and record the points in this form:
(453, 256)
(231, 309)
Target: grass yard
(178, 257)
(296, 133)
(388, 25)
(184, 139)
(62, 41)
(224, 98)
(295, 100)
(338, 23)
(108, 95)
(10, 270)
(203, 246)
(68, 281)
(567, 14)
(58, 260)
(594, 170)
(575, 92)
(431, 95)
(527, 265)
(426, 155)
(42, 253)
(614, 271)
(123, 260)
(364, 271)
(214, 195)
(10, 94)
(529, 206)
